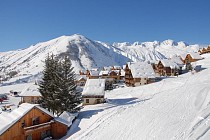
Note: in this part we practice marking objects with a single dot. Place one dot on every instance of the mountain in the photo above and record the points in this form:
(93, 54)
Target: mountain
(86, 54)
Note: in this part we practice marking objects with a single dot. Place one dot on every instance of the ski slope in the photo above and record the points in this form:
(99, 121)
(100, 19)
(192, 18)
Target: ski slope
(175, 108)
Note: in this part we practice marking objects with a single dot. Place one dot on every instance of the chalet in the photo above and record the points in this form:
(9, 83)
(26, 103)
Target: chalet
(30, 95)
(30, 121)
(93, 74)
(80, 80)
(139, 73)
(94, 91)
(115, 74)
(179, 62)
(167, 67)
(190, 57)
(208, 49)
(116, 68)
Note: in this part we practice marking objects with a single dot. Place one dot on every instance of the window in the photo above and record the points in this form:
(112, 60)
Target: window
(35, 121)
(29, 137)
(23, 123)
(87, 100)
(98, 101)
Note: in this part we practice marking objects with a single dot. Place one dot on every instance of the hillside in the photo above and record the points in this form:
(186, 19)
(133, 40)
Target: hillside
(174, 108)
(87, 54)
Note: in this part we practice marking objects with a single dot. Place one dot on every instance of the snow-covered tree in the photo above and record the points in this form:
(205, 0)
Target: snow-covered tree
(58, 88)
(48, 87)
(68, 94)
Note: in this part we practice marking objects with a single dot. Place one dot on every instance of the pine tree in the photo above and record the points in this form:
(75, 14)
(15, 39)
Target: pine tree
(68, 94)
(47, 87)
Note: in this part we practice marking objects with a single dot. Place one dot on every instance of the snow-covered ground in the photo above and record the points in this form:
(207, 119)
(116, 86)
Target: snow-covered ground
(174, 108)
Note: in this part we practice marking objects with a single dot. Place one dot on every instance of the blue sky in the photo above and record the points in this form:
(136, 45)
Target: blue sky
(27, 22)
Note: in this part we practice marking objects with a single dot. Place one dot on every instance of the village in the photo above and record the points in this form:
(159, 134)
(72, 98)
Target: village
(25, 119)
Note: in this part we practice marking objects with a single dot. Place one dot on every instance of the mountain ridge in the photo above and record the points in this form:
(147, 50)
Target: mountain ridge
(86, 53)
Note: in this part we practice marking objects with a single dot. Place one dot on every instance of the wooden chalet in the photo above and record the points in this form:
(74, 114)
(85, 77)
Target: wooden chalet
(139, 73)
(204, 50)
(94, 91)
(80, 80)
(31, 122)
(167, 67)
(93, 74)
(113, 74)
(30, 95)
(190, 57)
(116, 68)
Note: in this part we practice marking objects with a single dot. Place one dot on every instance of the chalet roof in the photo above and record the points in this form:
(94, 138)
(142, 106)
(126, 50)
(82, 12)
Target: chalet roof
(94, 87)
(117, 67)
(192, 54)
(169, 63)
(116, 71)
(94, 73)
(9, 119)
(141, 69)
(79, 77)
(195, 55)
(32, 90)
(177, 60)
(104, 72)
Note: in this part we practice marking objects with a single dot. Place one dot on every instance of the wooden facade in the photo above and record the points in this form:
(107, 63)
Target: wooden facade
(34, 125)
(189, 59)
(204, 50)
(81, 82)
(165, 71)
(131, 81)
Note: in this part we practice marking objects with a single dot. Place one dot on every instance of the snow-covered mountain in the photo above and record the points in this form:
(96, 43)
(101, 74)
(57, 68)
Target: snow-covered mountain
(87, 54)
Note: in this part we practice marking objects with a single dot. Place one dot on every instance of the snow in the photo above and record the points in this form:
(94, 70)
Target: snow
(94, 87)
(169, 63)
(141, 69)
(32, 90)
(173, 108)
(67, 118)
(195, 55)
(86, 54)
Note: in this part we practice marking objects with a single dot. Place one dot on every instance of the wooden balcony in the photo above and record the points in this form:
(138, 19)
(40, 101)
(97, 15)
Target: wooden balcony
(40, 127)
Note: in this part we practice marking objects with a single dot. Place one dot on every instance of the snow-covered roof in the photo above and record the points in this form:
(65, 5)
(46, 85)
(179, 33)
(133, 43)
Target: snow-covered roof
(192, 54)
(117, 67)
(116, 71)
(67, 118)
(79, 77)
(169, 63)
(32, 90)
(94, 87)
(94, 73)
(195, 55)
(104, 72)
(177, 60)
(8, 119)
(141, 69)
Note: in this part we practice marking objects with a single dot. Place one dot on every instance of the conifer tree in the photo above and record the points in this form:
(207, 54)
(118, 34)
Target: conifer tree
(68, 94)
(47, 86)
(58, 88)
